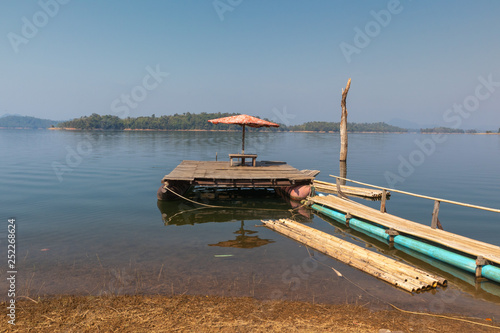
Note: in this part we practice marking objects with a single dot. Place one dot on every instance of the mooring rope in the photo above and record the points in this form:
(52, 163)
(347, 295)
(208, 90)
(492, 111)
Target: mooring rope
(232, 207)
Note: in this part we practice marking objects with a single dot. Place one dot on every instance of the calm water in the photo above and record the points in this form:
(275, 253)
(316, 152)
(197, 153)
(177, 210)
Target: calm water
(88, 221)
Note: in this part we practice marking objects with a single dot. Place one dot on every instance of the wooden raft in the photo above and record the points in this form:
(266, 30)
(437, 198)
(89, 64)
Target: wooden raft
(222, 174)
(399, 274)
(460, 243)
(348, 190)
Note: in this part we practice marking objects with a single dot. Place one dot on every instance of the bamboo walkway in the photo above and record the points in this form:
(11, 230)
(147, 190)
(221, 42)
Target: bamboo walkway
(460, 243)
(394, 272)
(348, 190)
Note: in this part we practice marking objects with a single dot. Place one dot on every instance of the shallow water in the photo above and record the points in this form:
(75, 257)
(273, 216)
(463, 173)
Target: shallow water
(88, 221)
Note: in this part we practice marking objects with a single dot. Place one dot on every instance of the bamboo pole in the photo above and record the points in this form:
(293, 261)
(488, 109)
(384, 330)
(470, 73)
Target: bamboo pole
(343, 169)
(349, 190)
(243, 141)
(378, 259)
(343, 123)
(421, 196)
(435, 212)
(382, 202)
(351, 261)
(349, 252)
(387, 269)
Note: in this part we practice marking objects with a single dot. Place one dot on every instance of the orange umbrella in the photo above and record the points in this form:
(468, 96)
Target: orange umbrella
(244, 120)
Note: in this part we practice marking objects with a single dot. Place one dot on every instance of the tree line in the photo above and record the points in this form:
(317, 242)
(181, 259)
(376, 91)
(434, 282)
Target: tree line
(191, 121)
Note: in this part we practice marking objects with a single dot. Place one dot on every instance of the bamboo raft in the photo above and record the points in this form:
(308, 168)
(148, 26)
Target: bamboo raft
(349, 190)
(394, 272)
(450, 240)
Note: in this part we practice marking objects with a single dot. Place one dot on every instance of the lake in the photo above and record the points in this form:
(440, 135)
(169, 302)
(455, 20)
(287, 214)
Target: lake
(88, 221)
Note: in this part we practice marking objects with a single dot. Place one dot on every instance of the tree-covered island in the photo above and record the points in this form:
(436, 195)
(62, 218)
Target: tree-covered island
(191, 121)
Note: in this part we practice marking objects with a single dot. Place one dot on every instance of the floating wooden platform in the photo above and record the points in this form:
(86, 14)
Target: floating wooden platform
(453, 241)
(221, 174)
(360, 192)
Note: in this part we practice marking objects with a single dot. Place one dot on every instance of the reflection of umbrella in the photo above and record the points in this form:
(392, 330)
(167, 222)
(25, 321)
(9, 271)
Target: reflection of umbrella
(243, 241)
(244, 120)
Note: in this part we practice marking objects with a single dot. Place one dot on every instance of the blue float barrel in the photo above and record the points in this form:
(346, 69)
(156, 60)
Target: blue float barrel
(468, 264)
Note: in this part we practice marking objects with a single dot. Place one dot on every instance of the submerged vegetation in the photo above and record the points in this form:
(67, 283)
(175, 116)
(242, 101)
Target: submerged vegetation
(190, 121)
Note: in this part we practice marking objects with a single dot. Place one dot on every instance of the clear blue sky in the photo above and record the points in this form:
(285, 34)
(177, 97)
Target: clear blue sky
(254, 56)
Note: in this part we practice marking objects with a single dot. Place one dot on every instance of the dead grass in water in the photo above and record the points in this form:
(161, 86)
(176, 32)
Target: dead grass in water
(221, 314)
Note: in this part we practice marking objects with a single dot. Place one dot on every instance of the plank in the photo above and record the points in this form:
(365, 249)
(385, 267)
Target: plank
(466, 245)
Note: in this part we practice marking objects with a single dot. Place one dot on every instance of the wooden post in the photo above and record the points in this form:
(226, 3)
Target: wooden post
(243, 141)
(343, 172)
(348, 218)
(343, 123)
(480, 262)
(435, 213)
(382, 202)
(392, 233)
(339, 190)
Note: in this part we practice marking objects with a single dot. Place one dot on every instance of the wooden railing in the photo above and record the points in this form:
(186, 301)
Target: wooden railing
(435, 221)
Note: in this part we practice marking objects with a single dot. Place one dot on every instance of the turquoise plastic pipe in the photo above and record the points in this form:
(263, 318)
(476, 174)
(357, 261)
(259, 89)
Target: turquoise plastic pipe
(488, 271)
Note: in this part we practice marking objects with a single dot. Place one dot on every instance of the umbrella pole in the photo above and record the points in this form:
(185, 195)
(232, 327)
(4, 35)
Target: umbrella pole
(243, 141)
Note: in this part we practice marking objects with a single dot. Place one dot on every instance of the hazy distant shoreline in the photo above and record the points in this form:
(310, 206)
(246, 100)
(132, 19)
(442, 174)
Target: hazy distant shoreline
(228, 130)
(199, 123)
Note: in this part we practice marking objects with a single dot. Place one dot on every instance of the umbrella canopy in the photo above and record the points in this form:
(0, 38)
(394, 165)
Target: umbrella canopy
(244, 120)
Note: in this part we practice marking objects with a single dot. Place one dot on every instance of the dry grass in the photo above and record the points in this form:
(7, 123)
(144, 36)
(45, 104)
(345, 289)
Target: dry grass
(208, 314)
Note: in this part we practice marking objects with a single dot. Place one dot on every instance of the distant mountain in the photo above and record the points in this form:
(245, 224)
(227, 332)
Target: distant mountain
(10, 114)
(11, 121)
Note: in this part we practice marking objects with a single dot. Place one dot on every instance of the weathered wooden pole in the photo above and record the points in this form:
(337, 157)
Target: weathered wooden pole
(343, 172)
(343, 123)
(243, 141)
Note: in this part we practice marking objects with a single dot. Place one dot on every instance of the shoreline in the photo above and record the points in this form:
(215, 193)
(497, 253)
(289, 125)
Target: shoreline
(225, 314)
(204, 130)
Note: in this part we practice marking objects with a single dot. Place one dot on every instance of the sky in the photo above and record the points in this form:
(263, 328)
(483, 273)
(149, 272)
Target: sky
(412, 63)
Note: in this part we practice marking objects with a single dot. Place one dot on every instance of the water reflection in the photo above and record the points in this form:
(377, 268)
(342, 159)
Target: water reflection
(230, 205)
(243, 240)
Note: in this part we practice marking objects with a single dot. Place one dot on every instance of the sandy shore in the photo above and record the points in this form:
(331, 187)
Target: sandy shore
(221, 314)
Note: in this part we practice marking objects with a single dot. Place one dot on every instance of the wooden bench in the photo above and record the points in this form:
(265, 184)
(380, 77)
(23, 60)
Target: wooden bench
(243, 157)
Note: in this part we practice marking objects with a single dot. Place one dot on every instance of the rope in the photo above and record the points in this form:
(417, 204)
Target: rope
(421, 196)
(232, 207)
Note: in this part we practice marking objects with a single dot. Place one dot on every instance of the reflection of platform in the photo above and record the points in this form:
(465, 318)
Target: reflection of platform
(221, 174)
(238, 205)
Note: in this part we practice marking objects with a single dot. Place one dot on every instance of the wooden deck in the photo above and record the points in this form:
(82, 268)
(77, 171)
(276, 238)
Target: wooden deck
(448, 239)
(221, 174)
